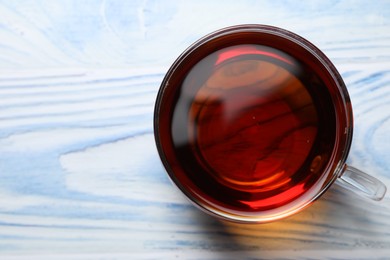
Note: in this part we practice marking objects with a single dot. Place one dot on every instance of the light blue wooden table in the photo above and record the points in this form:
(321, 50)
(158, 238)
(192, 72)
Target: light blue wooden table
(80, 177)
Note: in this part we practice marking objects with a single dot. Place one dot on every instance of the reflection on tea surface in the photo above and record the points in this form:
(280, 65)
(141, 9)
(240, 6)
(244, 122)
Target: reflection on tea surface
(252, 139)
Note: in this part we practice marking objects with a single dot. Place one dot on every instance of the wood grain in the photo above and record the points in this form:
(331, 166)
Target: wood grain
(80, 177)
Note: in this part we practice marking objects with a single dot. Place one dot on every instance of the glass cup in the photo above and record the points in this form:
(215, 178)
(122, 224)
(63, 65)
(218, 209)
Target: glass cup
(253, 123)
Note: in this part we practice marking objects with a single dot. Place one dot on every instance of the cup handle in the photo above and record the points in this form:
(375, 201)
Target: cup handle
(361, 183)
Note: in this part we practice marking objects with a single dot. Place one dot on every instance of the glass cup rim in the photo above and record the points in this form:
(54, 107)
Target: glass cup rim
(326, 64)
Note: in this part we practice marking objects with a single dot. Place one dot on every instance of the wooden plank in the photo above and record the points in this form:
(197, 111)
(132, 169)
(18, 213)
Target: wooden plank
(80, 177)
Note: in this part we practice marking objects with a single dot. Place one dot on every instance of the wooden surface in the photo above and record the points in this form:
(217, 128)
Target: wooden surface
(80, 177)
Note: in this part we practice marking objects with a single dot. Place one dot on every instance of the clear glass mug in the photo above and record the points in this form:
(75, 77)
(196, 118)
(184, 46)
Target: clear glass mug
(253, 123)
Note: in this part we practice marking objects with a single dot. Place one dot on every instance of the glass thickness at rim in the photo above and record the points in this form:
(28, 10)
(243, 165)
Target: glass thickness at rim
(270, 36)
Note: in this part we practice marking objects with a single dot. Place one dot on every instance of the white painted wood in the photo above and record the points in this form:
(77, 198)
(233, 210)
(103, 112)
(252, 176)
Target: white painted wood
(80, 177)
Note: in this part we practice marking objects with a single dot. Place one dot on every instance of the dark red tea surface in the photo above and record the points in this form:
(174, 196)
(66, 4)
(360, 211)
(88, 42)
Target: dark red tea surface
(252, 128)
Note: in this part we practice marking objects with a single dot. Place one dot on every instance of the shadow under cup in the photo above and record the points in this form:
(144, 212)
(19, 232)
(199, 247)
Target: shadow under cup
(253, 123)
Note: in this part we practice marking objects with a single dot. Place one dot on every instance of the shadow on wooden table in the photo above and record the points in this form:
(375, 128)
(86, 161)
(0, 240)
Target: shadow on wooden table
(339, 220)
